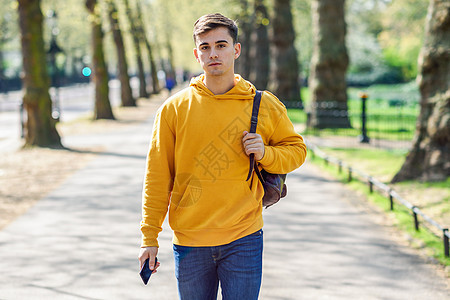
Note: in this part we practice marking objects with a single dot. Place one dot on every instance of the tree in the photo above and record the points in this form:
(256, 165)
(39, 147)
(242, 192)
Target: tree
(143, 37)
(137, 48)
(40, 126)
(260, 50)
(126, 94)
(329, 64)
(245, 23)
(102, 107)
(285, 81)
(429, 158)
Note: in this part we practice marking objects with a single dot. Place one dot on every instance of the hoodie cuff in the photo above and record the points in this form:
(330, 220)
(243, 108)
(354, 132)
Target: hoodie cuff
(149, 243)
(268, 156)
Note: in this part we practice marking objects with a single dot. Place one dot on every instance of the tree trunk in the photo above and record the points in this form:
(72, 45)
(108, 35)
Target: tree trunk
(429, 159)
(143, 37)
(40, 126)
(102, 108)
(137, 47)
(154, 72)
(285, 81)
(170, 59)
(126, 94)
(329, 64)
(260, 50)
(245, 22)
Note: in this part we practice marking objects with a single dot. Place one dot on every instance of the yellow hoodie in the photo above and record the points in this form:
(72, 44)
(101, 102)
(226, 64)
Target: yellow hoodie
(197, 168)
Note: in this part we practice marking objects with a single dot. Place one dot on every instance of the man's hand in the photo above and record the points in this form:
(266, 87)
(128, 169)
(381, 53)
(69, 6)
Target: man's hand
(253, 143)
(149, 252)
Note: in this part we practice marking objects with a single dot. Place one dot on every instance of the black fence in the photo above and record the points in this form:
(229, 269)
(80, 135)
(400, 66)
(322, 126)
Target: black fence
(418, 217)
(390, 130)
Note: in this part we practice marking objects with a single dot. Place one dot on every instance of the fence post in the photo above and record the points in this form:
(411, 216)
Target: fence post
(391, 199)
(349, 174)
(416, 220)
(446, 248)
(370, 185)
(340, 166)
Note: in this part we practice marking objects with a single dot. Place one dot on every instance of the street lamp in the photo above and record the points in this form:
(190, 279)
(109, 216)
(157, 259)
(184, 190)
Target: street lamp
(363, 138)
(52, 52)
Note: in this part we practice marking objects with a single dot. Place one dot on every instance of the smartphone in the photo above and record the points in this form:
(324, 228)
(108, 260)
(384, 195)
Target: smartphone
(145, 272)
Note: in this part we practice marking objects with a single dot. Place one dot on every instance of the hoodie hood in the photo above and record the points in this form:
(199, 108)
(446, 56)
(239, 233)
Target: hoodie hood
(242, 90)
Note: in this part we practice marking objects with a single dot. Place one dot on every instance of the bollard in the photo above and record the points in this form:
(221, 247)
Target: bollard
(416, 220)
(391, 199)
(363, 138)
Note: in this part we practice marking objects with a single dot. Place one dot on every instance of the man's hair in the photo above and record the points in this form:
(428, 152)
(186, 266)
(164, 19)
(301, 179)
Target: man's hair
(212, 21)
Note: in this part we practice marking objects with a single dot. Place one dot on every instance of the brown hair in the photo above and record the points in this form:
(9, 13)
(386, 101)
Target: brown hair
(211, 21)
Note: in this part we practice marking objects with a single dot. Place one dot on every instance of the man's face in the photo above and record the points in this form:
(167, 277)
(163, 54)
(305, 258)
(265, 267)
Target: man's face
(216, 52)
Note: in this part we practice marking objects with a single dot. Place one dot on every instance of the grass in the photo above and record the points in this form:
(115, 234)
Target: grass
(431, 198)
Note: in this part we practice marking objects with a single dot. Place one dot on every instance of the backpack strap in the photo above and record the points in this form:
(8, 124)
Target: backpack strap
(253, 125)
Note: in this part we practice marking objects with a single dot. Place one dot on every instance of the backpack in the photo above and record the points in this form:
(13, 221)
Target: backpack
(274, 184)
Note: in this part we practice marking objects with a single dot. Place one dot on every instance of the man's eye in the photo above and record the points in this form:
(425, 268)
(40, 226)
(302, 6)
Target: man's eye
(204, 48)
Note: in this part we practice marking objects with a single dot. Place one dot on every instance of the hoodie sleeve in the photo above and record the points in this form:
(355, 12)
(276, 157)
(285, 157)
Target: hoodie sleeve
(158, 180)
(286, 150)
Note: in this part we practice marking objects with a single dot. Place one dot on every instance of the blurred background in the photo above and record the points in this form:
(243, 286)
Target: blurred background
(366, 80)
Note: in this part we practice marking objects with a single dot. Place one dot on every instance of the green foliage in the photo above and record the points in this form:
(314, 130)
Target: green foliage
(402, 34)
(384, 37)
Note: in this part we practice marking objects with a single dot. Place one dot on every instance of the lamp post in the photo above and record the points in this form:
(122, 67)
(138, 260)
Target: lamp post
(52, 52)
(363, 138)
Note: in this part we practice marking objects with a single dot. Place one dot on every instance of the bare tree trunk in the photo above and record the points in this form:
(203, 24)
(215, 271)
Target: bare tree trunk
(143, 37)
(329, 62)
(137, 47)
(102, 108)
(154, 73)
(285, 81)
(429, 159)
(170, 61)
(260, 50)
(245, 22)
(40, 126)
(126, 94)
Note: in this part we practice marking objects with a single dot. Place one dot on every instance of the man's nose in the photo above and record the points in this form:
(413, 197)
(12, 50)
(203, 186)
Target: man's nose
(213, 54)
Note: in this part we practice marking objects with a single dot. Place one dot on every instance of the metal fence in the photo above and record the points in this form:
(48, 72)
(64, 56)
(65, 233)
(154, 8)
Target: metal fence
(393, 197)
(380, 130)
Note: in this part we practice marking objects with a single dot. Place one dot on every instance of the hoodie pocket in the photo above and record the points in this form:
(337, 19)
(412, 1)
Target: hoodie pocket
(219, 204)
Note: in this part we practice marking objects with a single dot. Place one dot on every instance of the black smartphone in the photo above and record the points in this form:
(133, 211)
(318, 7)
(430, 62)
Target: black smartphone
(145, 272)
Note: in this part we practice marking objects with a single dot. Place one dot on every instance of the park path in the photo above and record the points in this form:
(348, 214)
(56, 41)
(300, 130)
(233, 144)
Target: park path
(82, 240)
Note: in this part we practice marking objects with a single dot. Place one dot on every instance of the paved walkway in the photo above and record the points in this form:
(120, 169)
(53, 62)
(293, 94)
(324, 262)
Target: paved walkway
(82, 240)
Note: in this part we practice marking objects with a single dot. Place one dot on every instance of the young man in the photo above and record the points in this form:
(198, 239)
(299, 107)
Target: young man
(197, 168)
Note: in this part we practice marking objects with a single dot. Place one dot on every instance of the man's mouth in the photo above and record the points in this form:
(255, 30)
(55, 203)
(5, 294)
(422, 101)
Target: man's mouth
(213, 64)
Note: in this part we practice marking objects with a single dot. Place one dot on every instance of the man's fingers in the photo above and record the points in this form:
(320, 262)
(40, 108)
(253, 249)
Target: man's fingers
(141, 261)
(151, 262)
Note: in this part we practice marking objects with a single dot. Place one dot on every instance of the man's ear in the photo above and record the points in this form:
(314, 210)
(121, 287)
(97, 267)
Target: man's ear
(196, 54)
(237, 50)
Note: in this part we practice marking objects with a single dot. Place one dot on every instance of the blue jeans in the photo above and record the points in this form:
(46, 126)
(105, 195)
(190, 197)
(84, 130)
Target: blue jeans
(237, 266)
